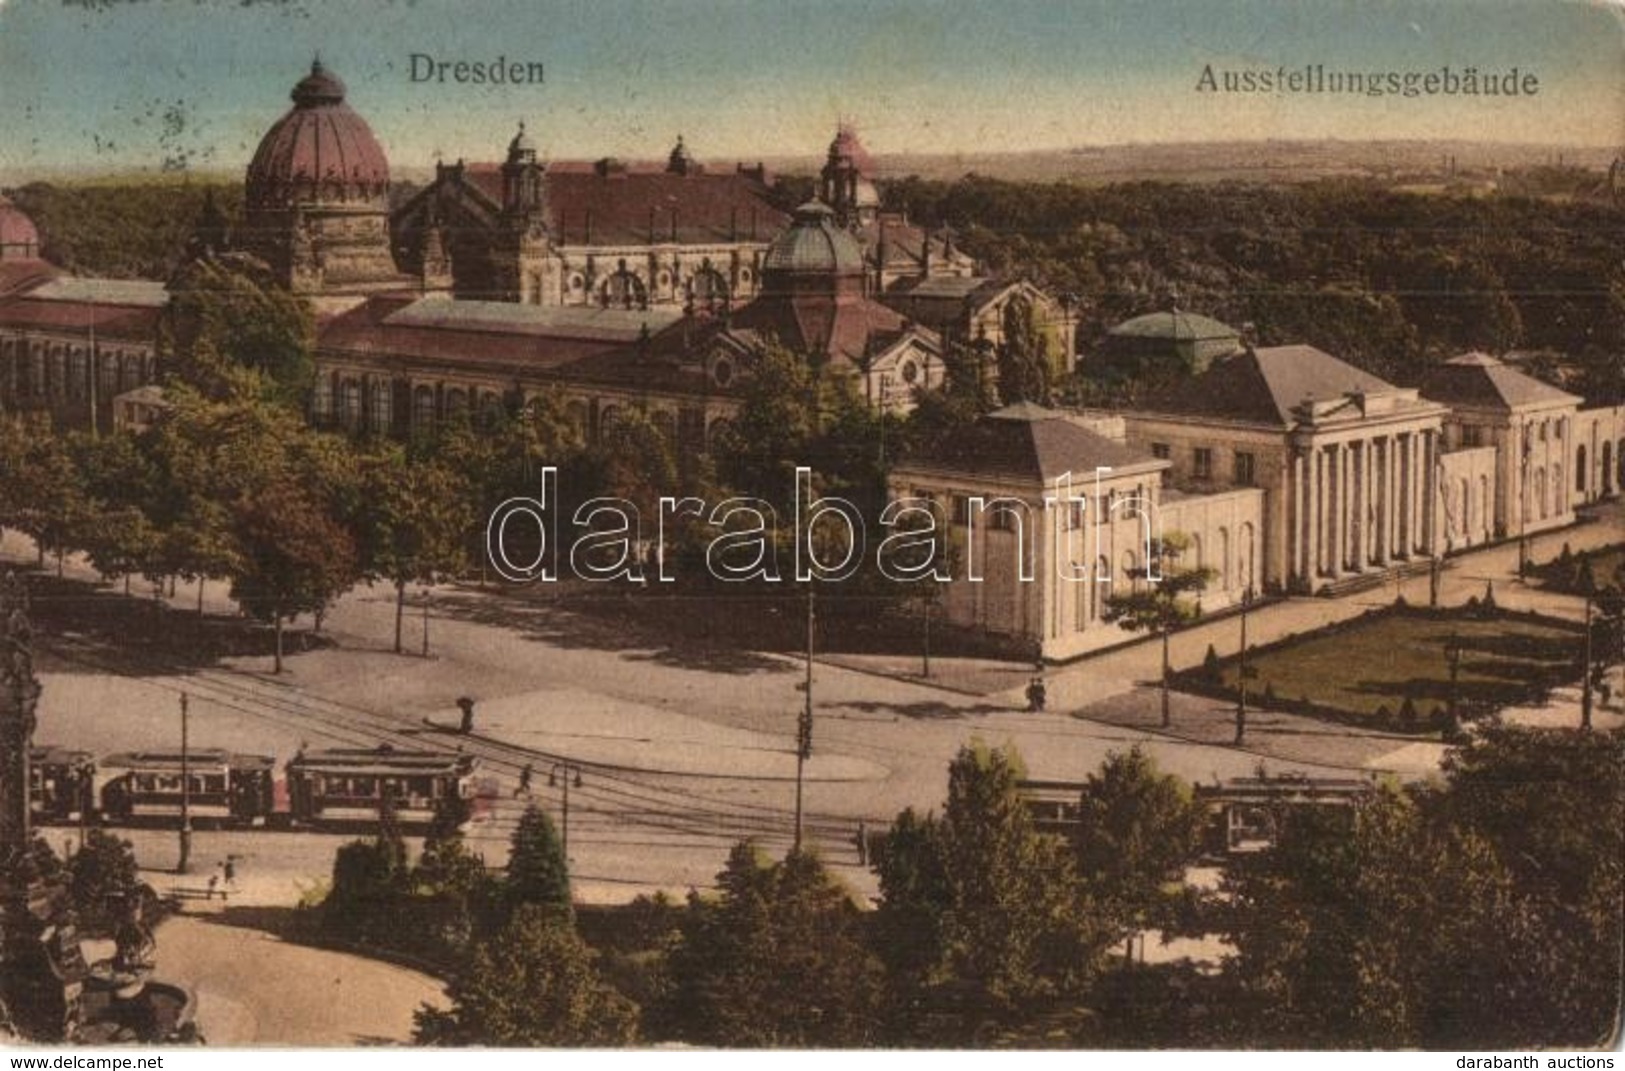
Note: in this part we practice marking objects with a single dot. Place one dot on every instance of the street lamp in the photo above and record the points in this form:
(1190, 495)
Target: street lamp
(1242, 670)
(804, 724)
(1585, 687)
(183, 865)
(571, 772)
(1453, 652)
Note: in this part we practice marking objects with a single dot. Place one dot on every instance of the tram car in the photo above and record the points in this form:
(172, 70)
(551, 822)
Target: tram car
(350, 786)
(61, 785)
(225, 788)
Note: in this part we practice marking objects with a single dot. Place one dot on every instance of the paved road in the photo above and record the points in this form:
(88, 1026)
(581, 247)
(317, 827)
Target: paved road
(638, 822)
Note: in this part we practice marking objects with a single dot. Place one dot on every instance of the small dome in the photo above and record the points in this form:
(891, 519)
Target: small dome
(1175, 326)
(849, 149)
(814, 244)
(19, 238)
(321, 150)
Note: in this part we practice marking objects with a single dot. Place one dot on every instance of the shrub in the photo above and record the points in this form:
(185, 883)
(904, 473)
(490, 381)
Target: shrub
(1407, 715)
(1210, 666)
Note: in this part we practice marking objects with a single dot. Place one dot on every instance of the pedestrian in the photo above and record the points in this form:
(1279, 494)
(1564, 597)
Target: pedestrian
(863, 843)
(1036, 695)
(214, 883)
(524, 780)
(229, 869)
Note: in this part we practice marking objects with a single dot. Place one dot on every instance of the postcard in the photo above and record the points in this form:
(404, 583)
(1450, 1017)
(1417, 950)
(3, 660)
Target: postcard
(906, 524)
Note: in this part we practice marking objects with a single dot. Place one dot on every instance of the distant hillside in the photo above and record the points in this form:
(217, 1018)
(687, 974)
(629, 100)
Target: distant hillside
(1244, 161)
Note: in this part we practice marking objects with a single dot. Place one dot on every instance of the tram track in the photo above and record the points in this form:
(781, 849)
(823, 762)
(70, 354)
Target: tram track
(618, 799)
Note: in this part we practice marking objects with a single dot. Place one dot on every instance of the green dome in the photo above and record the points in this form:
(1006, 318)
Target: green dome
(814, 244)
(1174, 326)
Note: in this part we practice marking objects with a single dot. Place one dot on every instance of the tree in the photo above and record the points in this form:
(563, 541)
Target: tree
(295, 557)
(1023, 356)
(777, 960)
(370, 881)
(1161, 604)
(43, 494)
(534, 984)
(1137, 830)
(538, 873)
(101, 875)
(411, 521)
(230, 331)
(999, 923)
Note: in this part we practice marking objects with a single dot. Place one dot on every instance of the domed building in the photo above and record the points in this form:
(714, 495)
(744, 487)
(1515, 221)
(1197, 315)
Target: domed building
(317, 196)
(19, 240)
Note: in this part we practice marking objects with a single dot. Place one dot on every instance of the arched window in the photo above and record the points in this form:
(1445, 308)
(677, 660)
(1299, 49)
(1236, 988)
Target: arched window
(576, 412)
(1224, 559)
(456, 403)
(707, 289)
(1580, 469)
(1540, 492)
(490, 410)
(423, 408)
(623, 290)
(350, 404)
(1129, 565)
(1484, 505)
(322, 403)
(383, 415)
(1098, 587)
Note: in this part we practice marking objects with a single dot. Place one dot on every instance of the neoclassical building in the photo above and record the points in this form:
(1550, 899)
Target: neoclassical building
(1286, 469)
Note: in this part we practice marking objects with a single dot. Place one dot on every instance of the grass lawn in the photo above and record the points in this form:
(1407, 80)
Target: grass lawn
(1378, 660)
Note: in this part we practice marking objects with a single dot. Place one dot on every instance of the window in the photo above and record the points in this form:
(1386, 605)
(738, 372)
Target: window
(1161, 450)
(1472, 435)
(961, 507)
(1245, 472)
(1204, 463)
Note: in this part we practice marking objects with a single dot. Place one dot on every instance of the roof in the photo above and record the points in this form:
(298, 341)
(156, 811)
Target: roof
(508, 337)
(556, 321)
(321, 149)
(19, 275)
(814, 243)
(16, 229)
(131, 323)
(194, 758)
(1483, 382)
(380, 760)
(847, 327)
(1029, 442)
(1265, 385)
(143, 293)
(640, 204)
(1174, 325)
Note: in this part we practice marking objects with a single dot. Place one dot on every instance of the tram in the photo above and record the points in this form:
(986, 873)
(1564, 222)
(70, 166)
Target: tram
(61, 785)
(353, 786)
(223, 788)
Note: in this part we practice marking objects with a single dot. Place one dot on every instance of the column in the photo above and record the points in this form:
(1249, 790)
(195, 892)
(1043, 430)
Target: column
(1402, 528)
(1334, 515)
(1359, 496)
(1316, 529)
(1389, 521)
(1295, 526)
(1430, 493)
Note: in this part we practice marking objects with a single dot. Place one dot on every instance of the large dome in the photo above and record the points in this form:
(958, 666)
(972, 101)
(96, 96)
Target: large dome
(321, 151)
(19, 239)
(814, 245)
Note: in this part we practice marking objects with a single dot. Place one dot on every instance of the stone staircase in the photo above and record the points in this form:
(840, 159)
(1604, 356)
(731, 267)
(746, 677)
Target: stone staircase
(1373, 578)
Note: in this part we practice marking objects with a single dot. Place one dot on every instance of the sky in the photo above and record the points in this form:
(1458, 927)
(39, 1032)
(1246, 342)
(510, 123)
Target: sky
(120, 85)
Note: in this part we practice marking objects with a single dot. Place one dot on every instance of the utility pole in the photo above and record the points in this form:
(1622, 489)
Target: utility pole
(925, 659)
(1585, 687)
(1241, 671)
(184, 864)
(804, 728)
(425, 623)
(571, 772)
